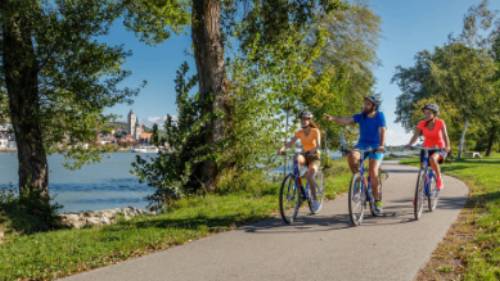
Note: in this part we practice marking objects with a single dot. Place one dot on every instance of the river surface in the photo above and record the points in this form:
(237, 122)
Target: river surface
(103, 185)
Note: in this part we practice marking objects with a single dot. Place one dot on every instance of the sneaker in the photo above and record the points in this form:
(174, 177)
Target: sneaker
(439, 183)
(378, 208)
(315, 206)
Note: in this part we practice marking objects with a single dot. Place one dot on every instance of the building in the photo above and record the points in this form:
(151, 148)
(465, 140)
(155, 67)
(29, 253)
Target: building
(145, 137)
(132, 124)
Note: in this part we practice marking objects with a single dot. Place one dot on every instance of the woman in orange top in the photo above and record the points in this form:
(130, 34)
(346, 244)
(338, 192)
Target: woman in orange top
(310, 137)
(435, 137)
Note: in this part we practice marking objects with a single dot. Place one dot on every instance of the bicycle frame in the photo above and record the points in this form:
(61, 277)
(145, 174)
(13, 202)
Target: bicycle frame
(298, 180)
(366, 189)
(428, 173)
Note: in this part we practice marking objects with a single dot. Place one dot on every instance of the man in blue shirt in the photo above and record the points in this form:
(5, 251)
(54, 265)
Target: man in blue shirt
(372, 129)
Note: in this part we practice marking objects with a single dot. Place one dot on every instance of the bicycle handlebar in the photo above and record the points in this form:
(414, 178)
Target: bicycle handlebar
(426, 148)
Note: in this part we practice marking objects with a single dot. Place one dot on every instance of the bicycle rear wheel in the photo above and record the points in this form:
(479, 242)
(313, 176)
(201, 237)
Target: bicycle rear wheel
(289, 199)
(357, 200)
(432, 199)
(320, 192)
(418, 201)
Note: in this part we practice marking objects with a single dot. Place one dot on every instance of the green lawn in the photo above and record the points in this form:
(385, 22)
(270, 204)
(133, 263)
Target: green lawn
(48, 255)
(482, 257)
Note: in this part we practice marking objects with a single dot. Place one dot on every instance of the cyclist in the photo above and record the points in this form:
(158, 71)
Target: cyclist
(435, 136)
(372, 130)
(310, 137)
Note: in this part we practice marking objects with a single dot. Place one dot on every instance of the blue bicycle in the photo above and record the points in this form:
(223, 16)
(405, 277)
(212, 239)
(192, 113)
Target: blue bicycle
(293, 193)
(360, 192)
(426, 188)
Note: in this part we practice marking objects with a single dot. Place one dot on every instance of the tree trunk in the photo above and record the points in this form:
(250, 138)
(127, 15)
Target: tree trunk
(491, 140)
(21, 79)
(461, 145)
(209, 56)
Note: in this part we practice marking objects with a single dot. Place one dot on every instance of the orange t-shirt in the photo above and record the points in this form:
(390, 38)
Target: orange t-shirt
(310, 141)
(433, 138)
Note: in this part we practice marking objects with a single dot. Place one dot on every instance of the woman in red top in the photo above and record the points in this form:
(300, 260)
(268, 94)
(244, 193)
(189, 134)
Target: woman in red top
(435, 136)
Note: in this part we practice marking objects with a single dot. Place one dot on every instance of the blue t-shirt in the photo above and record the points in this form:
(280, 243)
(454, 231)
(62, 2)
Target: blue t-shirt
(369, 133)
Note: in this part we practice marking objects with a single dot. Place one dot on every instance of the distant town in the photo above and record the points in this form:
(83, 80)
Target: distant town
(129, 135)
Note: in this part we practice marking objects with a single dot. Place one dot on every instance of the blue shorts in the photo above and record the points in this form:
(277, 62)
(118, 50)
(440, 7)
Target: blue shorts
(378, 156)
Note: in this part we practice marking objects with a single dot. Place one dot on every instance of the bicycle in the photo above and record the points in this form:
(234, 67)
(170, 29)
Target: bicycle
(360, 192)
(426, 187)
(293, 193)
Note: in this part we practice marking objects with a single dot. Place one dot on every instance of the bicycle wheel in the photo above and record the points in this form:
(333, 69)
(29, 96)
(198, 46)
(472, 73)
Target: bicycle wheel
(418, 201)
(289, 199)
(357, 200)
(432, 199)
(320, 192)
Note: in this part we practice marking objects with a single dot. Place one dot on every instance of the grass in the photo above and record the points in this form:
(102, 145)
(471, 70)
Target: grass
(471, 250)
(53, 254)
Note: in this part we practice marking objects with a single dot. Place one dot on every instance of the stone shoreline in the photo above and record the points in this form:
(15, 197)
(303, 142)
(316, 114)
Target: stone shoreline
(102, 217)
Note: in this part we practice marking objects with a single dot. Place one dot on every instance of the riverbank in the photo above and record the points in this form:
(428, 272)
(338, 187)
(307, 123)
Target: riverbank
(471, 249)
(49, 255)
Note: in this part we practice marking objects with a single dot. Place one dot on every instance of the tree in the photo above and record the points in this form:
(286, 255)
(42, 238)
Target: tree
(155, 137)
(463, 75)
(58, 77)
(460, 76)
(265, 22)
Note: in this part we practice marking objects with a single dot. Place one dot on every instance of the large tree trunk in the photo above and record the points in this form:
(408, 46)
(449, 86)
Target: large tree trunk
(491, 140)
(209, 56)
(461, 145)
(21, 79)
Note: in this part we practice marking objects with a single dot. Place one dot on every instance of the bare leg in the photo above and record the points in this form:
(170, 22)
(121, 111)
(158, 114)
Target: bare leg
(310, 175)
(373, 168)
(435, 164)
(353, 160)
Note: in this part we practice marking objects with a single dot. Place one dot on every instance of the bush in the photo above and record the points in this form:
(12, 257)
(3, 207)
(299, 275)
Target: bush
(28, 213)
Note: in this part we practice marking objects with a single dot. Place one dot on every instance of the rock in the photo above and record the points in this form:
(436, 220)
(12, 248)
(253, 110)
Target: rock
(105, 220)
(91, 221)
(103, 217)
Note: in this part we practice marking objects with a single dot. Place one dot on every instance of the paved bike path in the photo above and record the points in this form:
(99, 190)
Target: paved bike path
(322, 247)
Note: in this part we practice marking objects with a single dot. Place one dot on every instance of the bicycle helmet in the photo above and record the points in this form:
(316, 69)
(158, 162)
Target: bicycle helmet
(306, 114)
(375, 99)
(432, 107)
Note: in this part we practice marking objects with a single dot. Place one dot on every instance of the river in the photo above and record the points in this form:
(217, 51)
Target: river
(103, 185)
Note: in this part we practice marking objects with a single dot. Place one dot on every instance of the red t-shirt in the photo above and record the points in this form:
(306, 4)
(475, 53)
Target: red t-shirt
(434, 137)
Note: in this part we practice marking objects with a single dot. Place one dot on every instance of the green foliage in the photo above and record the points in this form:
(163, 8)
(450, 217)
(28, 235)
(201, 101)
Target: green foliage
(28, 213)
(170, 171)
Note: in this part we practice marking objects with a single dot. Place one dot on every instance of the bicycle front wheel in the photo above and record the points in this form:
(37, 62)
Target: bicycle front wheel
(357, 200)
(289, 199)
(418, 201)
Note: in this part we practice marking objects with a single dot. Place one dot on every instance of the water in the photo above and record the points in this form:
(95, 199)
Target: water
(103, 185)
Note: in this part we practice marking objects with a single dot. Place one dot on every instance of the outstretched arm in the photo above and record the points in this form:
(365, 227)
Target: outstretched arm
(340, 120)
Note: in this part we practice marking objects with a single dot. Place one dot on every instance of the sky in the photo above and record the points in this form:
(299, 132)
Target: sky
(408, 26)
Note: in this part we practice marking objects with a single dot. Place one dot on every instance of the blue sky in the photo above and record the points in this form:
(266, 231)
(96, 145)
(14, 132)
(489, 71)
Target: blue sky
(408, 26)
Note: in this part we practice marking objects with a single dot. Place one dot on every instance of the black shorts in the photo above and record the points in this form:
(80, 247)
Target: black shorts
(312, 158)
(442, 155)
